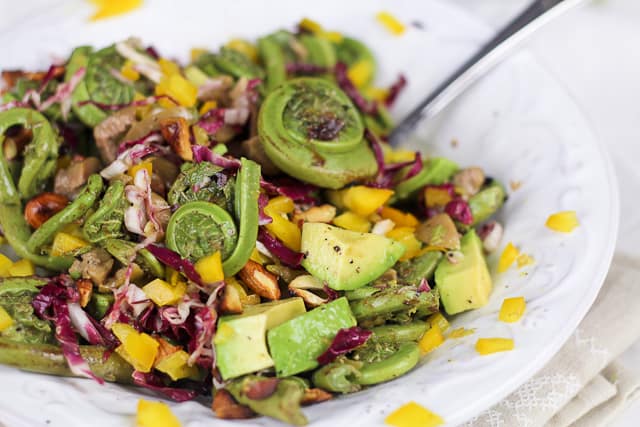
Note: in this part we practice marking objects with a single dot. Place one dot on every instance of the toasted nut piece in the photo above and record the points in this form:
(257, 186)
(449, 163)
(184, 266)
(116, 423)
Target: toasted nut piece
(322, 213)
(469, 180)
(383, 227)
(389, 276)
(260, 280)
(165, 349)
(176, 131)
(85, 289)
(315, 395)
(306, 281)
(225, 407)
(231, 301)
(439, 231)
(491, 235)
(301, 286)
(42, 207)
(285, 273)
(261, 389)
(310, 299)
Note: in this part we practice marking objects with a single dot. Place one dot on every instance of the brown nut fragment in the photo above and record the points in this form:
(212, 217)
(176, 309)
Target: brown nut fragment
(261, 389)
(42, 207)
(85, 289)
(165, 349)
(260, 280)
(322, 213)
(315, 395)
(231, 302)
(469, 180)
(287, 274)
(176, 131)
(440, 231)
(225, 407)
(302, 286)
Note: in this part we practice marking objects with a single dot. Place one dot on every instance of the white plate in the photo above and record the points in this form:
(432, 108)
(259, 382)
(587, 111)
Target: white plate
(517, 123)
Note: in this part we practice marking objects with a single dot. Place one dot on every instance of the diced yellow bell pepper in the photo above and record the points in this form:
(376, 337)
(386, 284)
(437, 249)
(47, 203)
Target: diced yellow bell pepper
(508, 256)
(431, 339)
(109, 8)
(365, 200)
(376, 93)
(210, 268)
(64, 243)
(73, 229)
(360, 73)
(353, 222)
(258, 257)
(399, 155)
(333, 36)
(280, 227)
(399, 218)
(22, 268)
(122, 331)
(310, 25)
(5, 265)
(162, 293)
(413, 415)
(146, 165)
(486, 346)
(129, 72)
(564, 222)
(5, 320)
(460, 332)
(155, 414)
(207, 106)
(168, 67)
(178, 88)
(196, 52)
(280, 204)
(436, 196)
(244, 47)
(172, 276)
(139, 350)
(512, 309)
(439, 320)
(391, 23)
(523, 260)
(175, 365)
(406, 236)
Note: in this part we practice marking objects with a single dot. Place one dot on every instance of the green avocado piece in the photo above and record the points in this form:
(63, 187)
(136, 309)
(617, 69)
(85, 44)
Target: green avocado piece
(296, 344)
(346, 259)
(467, 284)
(240, 343)
(436, 170)
(487, 202)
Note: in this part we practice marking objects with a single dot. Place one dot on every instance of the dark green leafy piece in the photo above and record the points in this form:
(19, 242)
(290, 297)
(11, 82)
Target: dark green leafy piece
(89, 114)
(106, 222)
(101, 84)
(202, 181)
(236, 64)
(16, 295)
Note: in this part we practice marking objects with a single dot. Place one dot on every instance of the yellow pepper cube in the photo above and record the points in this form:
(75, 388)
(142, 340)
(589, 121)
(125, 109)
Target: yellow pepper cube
(360, 73)
(155, 414)
(163, 293)
(333, 36)
(109, 8)
(5, 265)
(353, 222)
(207, 106)
(258, 257)
(486, 346)
(175, 365)
(440, 321)
(431, 339)
(508, 256)
(22, 268)
(406, 236)
(512, 309)
(399, 218)
(5, 320)
(391, 23)
(129, 72)
(378, 94)
(178, 88)
(365, 200)
(564, 222)
(139, 350)
(146, 165)
(285, 230)
(196, 52)
(523, 260)
(168, 67)
(280, 204)
(397, 155)
(122, 331)
(413, 415)
(245, 48)
(210, 268)
(64, 243)
(310, 25)
(460, 332)
(436, 196)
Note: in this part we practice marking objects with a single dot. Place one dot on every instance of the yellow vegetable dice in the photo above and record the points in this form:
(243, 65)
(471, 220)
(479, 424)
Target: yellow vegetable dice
(431, 339)
(406, 236)
(210, 268)
(163, 293)
(258, 257)
(360, 73)
(64, 243)
(391, 23)
(333, 36)
(512, 309)
(440, 321)
(280, 204)
(168, 67)
(208, 106)
(353, 222)
(109, 8)
(397, 155)
(377, 93)
(175, 365)
(399, 218)
(5, 264)
(460, 332)
(139, 350)
(179, 89)
(365, 200)
(436, 196)
(523, 260)
(129, 72)
(413, 415)
(508, 256)
(486, 346)
(196, 52)
(22, 268)
(285, 230)
(155, 414)
(245, 48)
(564, 222)
(5, 320)
(310, 25)
(122, 331)
(146, 165)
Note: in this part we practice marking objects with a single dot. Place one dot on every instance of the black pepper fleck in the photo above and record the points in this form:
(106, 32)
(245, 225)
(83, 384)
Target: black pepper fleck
(336, 248)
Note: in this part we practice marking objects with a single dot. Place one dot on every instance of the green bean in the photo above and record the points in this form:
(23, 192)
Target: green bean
(338, 377)
(85, 200)
(246, 206)
(399, 333)
(124, 251)
(401, 362)
(487, 202)
(106, 222)
(274, 61)
(421, 267)
(48, 359)
(99, 304)
(393, 300)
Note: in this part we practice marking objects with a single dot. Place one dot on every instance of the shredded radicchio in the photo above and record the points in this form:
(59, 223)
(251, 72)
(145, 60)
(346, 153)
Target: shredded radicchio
(175, 261)
(459, 210)
(203, 154)
(262, 202)
(395, 90)
(200, 348)
(367, 107)
(295, 190)
(417, 166)
(278, 249)
(424, 286)
(331, 294)
(377, 150)
(346, 340)
(154, 382)
(306, 69)
(212, 121)
(153, 136)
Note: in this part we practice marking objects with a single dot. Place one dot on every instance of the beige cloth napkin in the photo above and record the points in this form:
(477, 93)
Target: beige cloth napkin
(583, 385)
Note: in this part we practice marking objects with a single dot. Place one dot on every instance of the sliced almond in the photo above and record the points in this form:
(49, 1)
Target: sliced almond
(85, 289)
(322, 213)
(315, 395)
(225, 407)
(176, 131)
(231, 301)
(260, 280)
(302, 286)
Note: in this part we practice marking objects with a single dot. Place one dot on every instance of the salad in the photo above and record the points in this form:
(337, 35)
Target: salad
(235, 228)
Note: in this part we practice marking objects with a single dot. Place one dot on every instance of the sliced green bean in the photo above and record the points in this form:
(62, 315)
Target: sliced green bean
(401, 362)
(421, 267)
(393, 300)
(399, 333)
(85, 200)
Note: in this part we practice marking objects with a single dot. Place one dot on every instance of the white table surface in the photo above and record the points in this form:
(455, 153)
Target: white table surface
(594, 51)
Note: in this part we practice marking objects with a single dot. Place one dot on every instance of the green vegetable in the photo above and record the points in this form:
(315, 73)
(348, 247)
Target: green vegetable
(99, 305)
(352, 51)
(312, 131)
(274, 62)
(106, 222)
(16, 295)
(339, 377)
(437, 170)
(101, 84)
(230, 61)
(89, 114)
(125, 251)
(401, 362)
(380, 124)
(487, 202)
(199, 229)
(85, 200)
(320, 51)
(206, 64)
(395, 299)
(211, 184)
(48, 359)
(399, 333)
(421, 267)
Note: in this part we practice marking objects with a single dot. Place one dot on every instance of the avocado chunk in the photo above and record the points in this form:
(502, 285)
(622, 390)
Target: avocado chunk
(467, 284)
(296, 344)
(240, 342)
(346, 259)
(434, 171)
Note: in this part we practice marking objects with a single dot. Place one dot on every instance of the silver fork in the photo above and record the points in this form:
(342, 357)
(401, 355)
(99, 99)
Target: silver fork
(538, 13)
